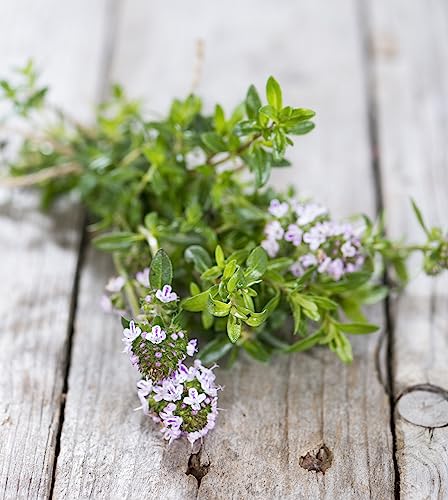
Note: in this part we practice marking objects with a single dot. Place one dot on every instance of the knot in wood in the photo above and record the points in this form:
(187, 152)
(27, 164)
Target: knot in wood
(317, 460)
(424, 405)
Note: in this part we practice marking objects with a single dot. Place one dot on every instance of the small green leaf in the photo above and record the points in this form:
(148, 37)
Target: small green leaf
(214, 142)
(218, 308)
(116, 242)
(419, 216)
(305, 344)
(274, 93)
(230, 269)
(199, 257)
(269, 112)
(219, 119)
(233, 328)
(302, 128)
(124, 322)
(219, 257)
(215, 350)
(197, 302)
(160, 270)
(357, 328)
(253, 102)
(257, 263)
(256, 349)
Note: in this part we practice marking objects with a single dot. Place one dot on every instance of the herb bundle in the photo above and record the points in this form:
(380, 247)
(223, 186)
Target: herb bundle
(182, 202)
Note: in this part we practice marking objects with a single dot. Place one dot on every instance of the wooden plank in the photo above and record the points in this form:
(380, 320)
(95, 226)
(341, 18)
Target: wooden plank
(410, 40)
(39, 251)
(275, 415)
(107, 449)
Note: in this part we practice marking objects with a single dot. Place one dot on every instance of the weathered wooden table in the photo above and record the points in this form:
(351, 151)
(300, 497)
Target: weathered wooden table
(377, 74)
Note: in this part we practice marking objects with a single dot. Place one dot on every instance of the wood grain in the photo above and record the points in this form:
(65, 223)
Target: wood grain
(107, 449)
(410, 42)
(39, 251)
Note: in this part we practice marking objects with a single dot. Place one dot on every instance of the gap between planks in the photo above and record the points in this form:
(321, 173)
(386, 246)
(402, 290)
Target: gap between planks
(108, 50)
(372, 117)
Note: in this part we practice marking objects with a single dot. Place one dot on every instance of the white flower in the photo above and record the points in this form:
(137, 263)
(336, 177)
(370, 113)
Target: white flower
(296, 269)
(156, 335)
(294, 235)
(144, 387)
(278, 209)
(143, 277)
(129, 335)
(348, 250)
(314, 237)
(273, 230)
(115, 284)
(194, 399)
(168, 391)
(271, 247)
(166, 294)
(310, 212)
(191, 347)
(308, 260)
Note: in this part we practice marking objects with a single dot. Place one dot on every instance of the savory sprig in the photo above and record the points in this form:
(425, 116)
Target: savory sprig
(258, 271)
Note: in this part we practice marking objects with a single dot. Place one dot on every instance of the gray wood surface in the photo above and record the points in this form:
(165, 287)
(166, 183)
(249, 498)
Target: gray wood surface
(39, 251)
(88, 443)
(410, 41)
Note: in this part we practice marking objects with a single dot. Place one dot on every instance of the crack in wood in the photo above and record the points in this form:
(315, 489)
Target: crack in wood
(196, 467)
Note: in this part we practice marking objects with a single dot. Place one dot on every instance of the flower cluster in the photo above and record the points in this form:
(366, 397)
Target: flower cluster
(155, 351)
(185, 403)
(305, 231)
(183, 399)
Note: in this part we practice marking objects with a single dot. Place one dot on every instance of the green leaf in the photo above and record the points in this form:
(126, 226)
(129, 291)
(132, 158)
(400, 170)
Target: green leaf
(237, 280)
(233, 328)
(230, 269)
(219, 119)
(257, 263)
(342, 347)
(352, 309)
(260, 164)
(419, 216)
(219, 257)
(297, 315)
(197, 302)
(214, 142)
(256, 319)
(310, 309)
(256, 349)
(253, 103)
(215, 350)
(160, 270)
(302, 128)
(305, 344)
(274, 93)
(269, 112)
(199, 257)
(117, 241)
(218, 308)
(357, 328)
(125, 322)
(211, 274)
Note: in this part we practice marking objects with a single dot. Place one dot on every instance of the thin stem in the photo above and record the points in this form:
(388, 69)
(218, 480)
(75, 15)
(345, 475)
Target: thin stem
(150, 238)
(238, 152)
(42, 175)
(128, 288)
